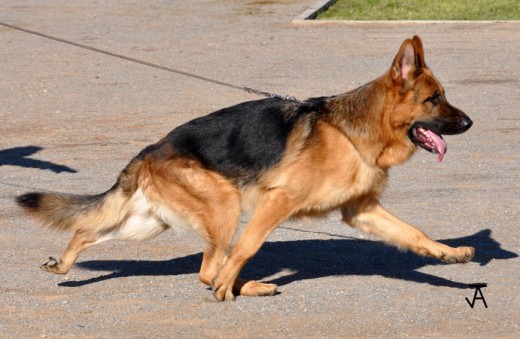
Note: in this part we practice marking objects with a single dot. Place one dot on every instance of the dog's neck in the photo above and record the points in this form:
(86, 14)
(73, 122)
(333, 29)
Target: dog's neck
(363, 115)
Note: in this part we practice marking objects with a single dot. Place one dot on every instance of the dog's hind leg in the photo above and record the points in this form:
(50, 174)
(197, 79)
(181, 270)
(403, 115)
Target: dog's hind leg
(215, 256)
(219, 228)
(273, 208)
(372, 218)
(219, 225)
(184, 193)
(80, 241)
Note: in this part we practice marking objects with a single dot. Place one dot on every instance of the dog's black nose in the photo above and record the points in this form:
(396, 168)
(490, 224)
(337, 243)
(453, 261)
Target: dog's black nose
(465, 123)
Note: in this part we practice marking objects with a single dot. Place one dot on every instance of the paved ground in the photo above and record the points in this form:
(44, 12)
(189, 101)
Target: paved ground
(71, 119)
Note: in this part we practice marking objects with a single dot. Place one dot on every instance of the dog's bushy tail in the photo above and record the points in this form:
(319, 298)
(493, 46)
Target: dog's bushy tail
(93, 213)
(73, 212)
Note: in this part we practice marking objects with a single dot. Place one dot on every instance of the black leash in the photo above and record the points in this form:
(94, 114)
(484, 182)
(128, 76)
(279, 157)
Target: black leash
(164, 68)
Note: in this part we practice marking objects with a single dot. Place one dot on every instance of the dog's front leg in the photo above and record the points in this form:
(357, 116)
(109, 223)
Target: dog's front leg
(370, 217)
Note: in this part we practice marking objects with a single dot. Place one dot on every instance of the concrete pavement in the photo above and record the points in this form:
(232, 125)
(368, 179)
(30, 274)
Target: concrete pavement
(72, 119)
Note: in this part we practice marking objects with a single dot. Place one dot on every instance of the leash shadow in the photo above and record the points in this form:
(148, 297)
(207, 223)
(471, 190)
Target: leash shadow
(312, 259)
(19, 156)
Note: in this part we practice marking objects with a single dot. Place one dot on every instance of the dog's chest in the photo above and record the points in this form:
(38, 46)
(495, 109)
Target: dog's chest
(332, 172)
(350, 182)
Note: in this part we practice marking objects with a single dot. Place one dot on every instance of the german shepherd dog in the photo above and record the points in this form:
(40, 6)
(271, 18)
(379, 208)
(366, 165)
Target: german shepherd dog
(278, 159)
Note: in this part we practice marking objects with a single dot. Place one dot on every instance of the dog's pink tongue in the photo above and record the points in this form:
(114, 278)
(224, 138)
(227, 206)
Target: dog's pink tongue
(440, 145)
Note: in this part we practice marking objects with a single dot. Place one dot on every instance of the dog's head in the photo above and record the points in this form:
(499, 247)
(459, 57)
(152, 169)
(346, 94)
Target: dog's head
(421, 109)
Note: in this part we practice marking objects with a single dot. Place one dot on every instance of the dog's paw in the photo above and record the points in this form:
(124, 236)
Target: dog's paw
(256, 289)
(52, 266)
(222, 290)
(467, 253)
(461, 254)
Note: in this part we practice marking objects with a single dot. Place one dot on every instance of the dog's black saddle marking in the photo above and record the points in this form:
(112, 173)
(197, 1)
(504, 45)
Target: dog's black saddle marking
(241, 141)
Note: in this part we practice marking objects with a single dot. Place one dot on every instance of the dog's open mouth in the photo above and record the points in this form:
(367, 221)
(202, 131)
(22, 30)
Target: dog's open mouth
(429, 140)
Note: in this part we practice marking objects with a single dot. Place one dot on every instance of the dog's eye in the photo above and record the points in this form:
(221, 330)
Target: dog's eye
(435, 99)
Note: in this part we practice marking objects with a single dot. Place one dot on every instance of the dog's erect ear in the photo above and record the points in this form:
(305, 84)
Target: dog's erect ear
(409, 61)
(419, 52)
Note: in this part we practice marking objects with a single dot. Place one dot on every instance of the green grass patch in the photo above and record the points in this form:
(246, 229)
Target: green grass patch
(423, 10)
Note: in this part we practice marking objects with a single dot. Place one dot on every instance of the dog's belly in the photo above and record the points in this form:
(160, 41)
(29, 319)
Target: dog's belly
(142, 222)
(141, 227)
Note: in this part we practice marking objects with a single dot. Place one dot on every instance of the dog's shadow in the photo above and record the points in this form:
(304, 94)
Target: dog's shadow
(19, 156)
(290, 261)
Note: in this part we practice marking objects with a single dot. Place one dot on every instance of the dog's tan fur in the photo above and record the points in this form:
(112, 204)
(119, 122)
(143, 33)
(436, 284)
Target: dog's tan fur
(340, 161)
